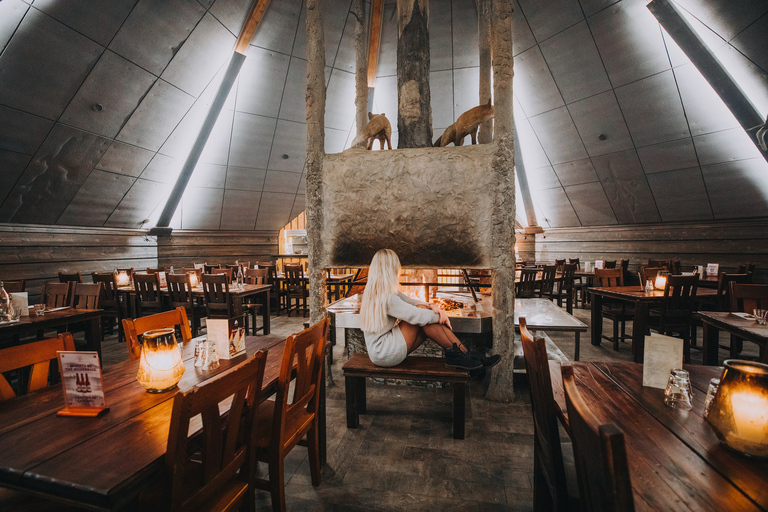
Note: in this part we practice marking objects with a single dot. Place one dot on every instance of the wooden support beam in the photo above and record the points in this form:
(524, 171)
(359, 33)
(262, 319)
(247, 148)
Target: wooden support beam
(374, 41)
(708, 65)
(361, 66)
(249, 29)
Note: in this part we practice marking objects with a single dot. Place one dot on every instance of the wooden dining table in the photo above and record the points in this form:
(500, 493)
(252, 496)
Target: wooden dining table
(642, 300)
(740, 325)
(675, 460)
(104, 463)
(52, 319)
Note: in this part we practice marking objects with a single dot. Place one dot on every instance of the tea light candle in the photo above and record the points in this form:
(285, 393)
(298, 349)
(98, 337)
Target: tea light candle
(661, 282)
(750, 415)
(193, 279)
(122, 279)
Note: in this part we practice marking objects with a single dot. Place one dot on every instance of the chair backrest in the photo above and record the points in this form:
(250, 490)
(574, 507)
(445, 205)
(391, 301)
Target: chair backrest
(256, 276)
(568, 274)
(608, 277)
(225, 271)
(38, 355)
(746, 297)
(16, 285)
(180, 290)
(147, 288)
(66, 277)
(679, 297)
(216, 295)
(609, 264)
(271, 273)
(548, 274)
(723, 298)
(649, 273)
(294, 275)
(526, 287)
(224, 465)
(207, 269)
(675, 267)
(575, 261)
(56, 295)
(658, 263)
(307, 350)
(87, 296)
(110, 298)
(545, 428)
(560, 263)
(133, 328)
(745, 268)
(151, 270)
(601, 457)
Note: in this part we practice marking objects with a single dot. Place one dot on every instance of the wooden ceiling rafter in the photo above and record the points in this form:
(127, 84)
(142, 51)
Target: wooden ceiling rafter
(374, 41)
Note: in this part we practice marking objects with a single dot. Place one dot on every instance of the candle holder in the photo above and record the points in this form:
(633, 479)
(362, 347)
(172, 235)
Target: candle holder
(161, 366)
(739, 410)
(122, 279)
(661, 280)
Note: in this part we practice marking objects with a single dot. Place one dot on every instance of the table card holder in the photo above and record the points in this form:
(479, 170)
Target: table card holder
(163, 279)
(81, 380)
(599, 263)
(662, 354)
(229, 336)
(20, 302)
(713, 269)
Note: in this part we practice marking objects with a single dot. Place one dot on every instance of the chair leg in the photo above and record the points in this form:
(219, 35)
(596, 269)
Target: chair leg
(616, 334)
(313, 446)
(277, 482)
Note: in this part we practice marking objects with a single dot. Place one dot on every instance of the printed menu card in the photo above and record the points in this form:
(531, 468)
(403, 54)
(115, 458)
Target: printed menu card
(662, 354)
(81, 379)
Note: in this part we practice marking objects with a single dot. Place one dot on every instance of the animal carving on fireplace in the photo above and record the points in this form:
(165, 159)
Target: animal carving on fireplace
(378, 128)
(466, 124)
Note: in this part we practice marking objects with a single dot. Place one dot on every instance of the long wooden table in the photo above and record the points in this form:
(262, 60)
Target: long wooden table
(53, 319)
(104, 463)
(642, 300)
(675, 460)
(745, 328)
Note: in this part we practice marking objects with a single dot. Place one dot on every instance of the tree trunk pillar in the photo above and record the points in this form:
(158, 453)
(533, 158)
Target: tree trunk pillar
(414, 110)
(361, 66)
(485, 134)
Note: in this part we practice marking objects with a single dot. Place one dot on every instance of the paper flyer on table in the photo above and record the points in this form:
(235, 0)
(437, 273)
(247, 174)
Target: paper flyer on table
(81, 379)
(229, 336)
(20, 302)
(662, 354)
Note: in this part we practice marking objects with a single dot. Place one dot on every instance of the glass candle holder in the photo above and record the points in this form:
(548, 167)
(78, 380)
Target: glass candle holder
(739, 410)
(122, 279)
(161, 366)
(661, 280)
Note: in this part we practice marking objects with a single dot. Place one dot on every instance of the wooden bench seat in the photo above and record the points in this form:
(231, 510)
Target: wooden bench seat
(359, 366)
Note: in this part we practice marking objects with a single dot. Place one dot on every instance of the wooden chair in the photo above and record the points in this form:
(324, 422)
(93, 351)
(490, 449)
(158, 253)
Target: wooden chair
(129, 271)
(207, 269)
(745, 298)
(658, 263)
(133, 328)
(180, 295)
(296, 288)
(16, 285)
(649, 274)
(675, 267)
(616, 311)
(565, 289)
(747, 268)
(550, 487)
(67, 277)
(225, 271)
(87, 296)
(215, 474)
(580, 285)
(256, 276)
(559, 264)
(526, 287)
(56, 295)
(547, 285)
(600, 453)
(285, 421)
(277, 294)
(218, 302)
(677, 307)
(151, 270)
(38, 355)
(609, 264)
(109, 302)
(148, 297)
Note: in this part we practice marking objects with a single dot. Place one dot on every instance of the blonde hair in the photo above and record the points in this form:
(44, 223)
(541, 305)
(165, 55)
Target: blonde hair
(382, 282)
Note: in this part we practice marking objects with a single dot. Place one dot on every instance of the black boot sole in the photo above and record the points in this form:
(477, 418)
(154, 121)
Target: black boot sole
(468, 368)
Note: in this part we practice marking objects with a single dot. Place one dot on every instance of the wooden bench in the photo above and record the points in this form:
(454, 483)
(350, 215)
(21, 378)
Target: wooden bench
(359, 366)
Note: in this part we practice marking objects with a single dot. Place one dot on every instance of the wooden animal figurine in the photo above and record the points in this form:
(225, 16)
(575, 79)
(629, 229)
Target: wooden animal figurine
(378, 128)
(466, 124)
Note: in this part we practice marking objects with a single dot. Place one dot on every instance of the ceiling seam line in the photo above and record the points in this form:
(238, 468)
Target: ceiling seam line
(15, 30)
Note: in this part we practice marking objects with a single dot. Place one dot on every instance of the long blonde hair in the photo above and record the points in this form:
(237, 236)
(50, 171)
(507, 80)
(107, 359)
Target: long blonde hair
(382, 282)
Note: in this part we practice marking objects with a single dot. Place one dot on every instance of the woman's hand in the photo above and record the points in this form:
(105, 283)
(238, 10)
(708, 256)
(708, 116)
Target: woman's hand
(443, 316)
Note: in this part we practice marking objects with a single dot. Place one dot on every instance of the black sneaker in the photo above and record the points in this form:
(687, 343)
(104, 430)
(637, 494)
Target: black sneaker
(456, 358)
(489, 361)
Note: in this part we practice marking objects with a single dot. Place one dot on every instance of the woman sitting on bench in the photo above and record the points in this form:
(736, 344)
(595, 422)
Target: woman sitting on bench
(394, 325)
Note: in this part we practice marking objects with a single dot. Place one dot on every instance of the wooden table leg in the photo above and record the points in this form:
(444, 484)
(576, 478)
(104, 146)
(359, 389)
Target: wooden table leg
(597, 319)
(710, 345)
(459, 409)
(321, 423)
(265, 314)
(638, 331)
(93, 335)
(353, 419)
(576, 348)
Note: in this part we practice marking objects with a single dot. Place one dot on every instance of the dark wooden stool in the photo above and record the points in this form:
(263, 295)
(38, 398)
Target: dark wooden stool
(359, 366)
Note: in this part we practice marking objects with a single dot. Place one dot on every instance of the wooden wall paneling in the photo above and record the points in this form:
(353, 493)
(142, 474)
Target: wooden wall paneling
(183, 248)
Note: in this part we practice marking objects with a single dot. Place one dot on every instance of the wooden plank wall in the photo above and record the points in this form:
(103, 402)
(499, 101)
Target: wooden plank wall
(526, 247)
(183, 248)
(727, 243)
(38, 253)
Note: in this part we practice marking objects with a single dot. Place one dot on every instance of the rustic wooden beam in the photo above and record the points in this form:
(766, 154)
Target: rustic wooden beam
(708, 65)
(414, 108)
(249, 29)
(374, 42)
(361, 66)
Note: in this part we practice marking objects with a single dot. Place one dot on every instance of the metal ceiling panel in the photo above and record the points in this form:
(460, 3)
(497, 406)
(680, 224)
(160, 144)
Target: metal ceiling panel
(108, 96)
(652, 109)
(590, 204)
(137, 205)
(277, 29)
(125, 159)
(626, 187)
(291, 141)
(274, 211)
(601, 115)
(206, 51)
(155, 30)
(522, 37)
(346, 55)
(441, 95)
(201, 208)
(335, 140)
(252, 138)
(282, 182)
(575, 64)
(591, 7)
(753, 43)
(231, 13)
(340, 100)
(440, 31)
(334, 18)
(629, 40)
(558, 135)
(156, 117)
(680, 195)
(668, 156)
(54, 175)
(13, 165)
(542, 178)
(261, 82)
(163, 169)
(22, 132)
(11, 14)
(548, 18)
(388, 42)
(239, 209)
(745, 180)
(43, 66)
(245, 178)
(725, 146)
(533, 83)
(465, 46)
(466, 91)
(96, 19)
(726, 17)
(577, 172)
(96, 199)
(293, 105)
(209, 176)
(556, 207)
(705, 110)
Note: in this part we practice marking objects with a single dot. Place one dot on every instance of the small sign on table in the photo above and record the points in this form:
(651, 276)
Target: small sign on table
(81, 379)
(662, 354)
(228, 335)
